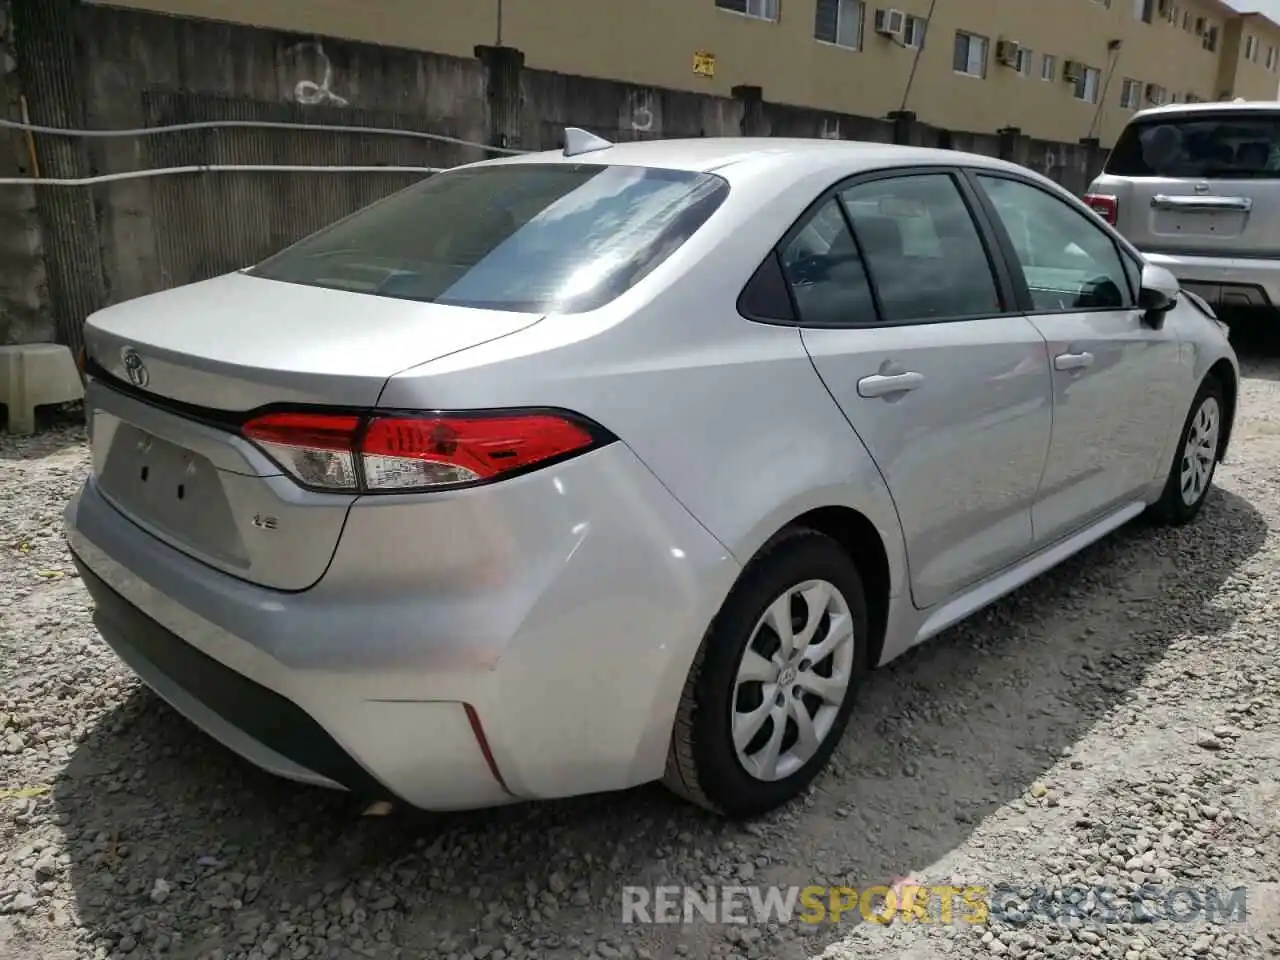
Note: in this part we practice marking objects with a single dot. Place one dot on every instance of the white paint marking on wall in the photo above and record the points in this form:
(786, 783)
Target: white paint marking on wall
(641, 111)
(308, 92)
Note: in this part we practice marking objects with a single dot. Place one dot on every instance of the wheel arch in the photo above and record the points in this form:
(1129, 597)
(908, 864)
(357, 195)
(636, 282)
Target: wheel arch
(1225, 374)
(859, 538)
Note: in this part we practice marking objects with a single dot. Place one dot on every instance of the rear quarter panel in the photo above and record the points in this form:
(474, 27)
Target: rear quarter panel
(728, 414)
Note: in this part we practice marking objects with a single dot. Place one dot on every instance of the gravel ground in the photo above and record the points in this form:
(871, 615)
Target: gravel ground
(1113, 724)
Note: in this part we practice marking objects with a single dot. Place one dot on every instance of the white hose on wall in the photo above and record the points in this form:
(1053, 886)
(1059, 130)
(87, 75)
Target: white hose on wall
(231, 168)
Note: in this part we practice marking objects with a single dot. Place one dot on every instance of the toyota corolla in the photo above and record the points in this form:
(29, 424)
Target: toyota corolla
(578, 470)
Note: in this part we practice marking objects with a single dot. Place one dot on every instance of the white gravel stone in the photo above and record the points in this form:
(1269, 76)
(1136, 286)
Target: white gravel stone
(1111, 727)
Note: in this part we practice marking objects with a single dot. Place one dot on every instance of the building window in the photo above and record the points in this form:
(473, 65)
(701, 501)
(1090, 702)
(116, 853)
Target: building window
(970, 55)
(1086, 88)
(759, 9)
(1048, 67)
(1144, 10)
(1271, 57)
(839, 22)
(1251, 48)
(1186, 20)
(913, 32)
(1131, 95)
(1023, 61)
(1211, 39)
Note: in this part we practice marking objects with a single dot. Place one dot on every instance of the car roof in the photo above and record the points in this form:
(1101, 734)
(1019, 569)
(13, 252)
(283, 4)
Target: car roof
(1216, 106)
(797, 155)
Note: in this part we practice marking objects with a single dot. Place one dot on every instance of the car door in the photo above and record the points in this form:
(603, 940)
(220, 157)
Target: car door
(912, 328)
(1115, 378)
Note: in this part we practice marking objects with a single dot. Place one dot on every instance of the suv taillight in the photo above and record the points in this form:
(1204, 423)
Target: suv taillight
(402, 453)
(1104, 205)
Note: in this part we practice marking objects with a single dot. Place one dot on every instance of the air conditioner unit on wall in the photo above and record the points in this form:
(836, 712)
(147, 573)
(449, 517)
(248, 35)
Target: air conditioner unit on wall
(1154, 93)
(1007, 52)
(1073, 71)
(891, 23)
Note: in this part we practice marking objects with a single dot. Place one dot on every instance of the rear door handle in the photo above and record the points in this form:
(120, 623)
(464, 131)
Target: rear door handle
(1073, 361)
(881, 385)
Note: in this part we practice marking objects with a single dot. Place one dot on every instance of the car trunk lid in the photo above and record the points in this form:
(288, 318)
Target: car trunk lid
(239, 342)
(173, 374)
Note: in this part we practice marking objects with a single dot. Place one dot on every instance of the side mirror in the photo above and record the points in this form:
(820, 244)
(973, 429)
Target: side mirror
(1158, 295)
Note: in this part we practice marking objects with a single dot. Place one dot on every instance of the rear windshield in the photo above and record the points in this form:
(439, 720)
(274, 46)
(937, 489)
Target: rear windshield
(1240, 145)
(533, 238)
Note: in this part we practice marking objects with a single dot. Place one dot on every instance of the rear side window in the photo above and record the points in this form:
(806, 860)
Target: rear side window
(1244, 144)
(923, 249)
(534, 238)
(826, 274)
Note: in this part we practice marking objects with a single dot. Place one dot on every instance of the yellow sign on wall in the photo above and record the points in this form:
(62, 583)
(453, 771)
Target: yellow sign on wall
(704, 64)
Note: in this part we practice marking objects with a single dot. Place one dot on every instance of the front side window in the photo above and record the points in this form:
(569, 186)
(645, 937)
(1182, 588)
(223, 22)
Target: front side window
(922, 249)
(1240, 145)
(825, 273)
(1069, 262)
(970, 57)
(524, 237)
(839, 22)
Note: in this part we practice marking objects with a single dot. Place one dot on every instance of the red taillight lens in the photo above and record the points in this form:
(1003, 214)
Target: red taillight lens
(390, 454)
(318, 450)
(401, 452)
(1104, 205)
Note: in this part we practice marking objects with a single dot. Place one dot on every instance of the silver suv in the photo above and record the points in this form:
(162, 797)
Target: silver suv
(1196, 188)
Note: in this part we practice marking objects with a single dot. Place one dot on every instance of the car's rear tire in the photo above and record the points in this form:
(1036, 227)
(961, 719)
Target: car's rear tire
(1195, 459)
(741, 745)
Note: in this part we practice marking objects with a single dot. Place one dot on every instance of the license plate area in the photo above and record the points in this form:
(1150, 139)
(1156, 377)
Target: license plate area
(172, 490)
(1199, 223)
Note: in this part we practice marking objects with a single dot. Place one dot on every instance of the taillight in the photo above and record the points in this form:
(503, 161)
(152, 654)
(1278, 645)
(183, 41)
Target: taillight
(399, 453)
(1104, 205)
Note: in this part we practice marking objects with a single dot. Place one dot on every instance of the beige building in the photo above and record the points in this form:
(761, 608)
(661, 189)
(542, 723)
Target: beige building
(1056, 69)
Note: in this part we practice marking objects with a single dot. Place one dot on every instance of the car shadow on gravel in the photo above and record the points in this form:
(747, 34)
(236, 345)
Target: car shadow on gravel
(176, 844)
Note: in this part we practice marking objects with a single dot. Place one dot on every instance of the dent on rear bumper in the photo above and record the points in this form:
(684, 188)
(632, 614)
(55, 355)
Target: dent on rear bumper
(565, 606)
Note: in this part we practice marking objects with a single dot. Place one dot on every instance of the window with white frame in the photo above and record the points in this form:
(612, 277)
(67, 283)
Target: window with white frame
(759, 9)
(1086, 88)
(970, 57)
(839, 22)
(913, 31)
(1048, 67)
(1023, 61)
(1271, 57)
(1251, 48)
(1131, 94)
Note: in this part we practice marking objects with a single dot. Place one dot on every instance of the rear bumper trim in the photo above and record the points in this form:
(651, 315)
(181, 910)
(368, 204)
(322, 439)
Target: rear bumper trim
(263, 715)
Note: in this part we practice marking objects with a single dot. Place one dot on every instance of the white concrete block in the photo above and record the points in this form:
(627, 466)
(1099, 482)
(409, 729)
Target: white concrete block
(33, 375)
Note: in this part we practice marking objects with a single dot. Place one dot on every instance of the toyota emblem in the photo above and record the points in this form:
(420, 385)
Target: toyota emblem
(134, 368)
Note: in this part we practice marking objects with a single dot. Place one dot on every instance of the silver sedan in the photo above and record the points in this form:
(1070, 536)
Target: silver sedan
(573, 471)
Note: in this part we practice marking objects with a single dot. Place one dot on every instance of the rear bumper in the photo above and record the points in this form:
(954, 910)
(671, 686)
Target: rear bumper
(1226, 282)
(569, 660)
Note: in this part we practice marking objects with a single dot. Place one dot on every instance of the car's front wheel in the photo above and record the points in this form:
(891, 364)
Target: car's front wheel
(1196, 458)
(774, 681)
